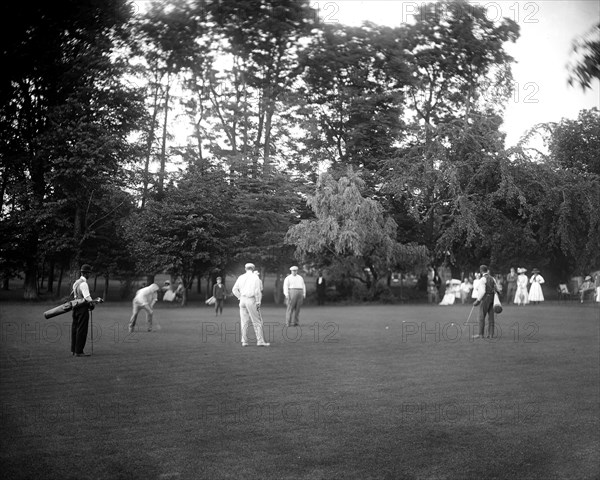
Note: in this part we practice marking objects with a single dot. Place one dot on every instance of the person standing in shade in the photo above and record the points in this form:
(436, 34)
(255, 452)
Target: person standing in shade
(485, 300)
(321, 289)
(511, 286)
(294, 290)
(535, 291)
(144, 299)
(248, 289)
(81, 313)
(220, 294)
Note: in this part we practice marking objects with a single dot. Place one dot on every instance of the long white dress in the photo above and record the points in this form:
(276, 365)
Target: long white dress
(521, 296)
(535, 291)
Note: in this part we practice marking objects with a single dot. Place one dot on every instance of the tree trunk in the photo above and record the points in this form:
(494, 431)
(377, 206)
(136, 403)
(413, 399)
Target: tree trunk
(30, 286)
(163, 150)
(146, 175)
(51, 277)
(59, 283)
(105, 294)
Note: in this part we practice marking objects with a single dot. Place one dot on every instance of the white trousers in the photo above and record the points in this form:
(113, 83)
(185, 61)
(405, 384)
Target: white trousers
(249, 313)
(137, 307)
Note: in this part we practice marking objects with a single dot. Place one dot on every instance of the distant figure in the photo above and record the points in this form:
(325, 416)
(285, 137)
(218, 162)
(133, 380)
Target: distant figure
(179, 292)
(321, 289)
(220, 294)
(433, 283)
(485, 298)
(449, 296)
(586, 287)
(535, 291)
(465, 289)
(144, 299)
(247, 289)
(521, 295)
(511, 286)
(278, 291)
(294, 290)
(597, 284)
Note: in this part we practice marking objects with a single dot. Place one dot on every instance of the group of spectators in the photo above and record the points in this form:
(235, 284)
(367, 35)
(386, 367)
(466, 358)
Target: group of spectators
(516, 287)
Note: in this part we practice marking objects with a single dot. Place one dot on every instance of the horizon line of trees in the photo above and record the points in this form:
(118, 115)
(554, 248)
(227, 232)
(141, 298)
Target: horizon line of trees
(354, 149)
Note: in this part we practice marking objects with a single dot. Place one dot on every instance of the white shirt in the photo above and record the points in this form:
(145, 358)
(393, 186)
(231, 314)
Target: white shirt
(248, 285)
(147, 295)
(293, 281)
(83, 288)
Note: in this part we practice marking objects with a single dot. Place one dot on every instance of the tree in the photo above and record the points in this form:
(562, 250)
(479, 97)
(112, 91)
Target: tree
(254, 64)
(187, 233)
(586, 66)
(352, 230)
(574, 144)
(353, 87)
(461, 79)
(167, 39)
(65, 117)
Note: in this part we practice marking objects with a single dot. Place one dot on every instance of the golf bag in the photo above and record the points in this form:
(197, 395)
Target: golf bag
(68, 306)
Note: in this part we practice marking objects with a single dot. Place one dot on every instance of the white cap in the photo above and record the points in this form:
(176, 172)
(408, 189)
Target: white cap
(294, 268)
(249, 265)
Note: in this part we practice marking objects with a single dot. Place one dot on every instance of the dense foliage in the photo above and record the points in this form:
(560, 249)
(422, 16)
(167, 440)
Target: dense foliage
(193, 136)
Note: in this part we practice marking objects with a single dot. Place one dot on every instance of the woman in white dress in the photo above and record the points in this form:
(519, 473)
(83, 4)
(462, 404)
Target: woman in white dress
(449, 296)
(535, 291)
(521, 295)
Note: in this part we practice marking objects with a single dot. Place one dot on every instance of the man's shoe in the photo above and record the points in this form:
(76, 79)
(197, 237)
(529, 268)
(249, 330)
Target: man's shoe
(263, 344)
(130, 329)
(244, 344)
(82, 354)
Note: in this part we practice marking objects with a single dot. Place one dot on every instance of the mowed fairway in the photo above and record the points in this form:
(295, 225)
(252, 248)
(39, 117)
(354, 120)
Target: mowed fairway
(344, 397)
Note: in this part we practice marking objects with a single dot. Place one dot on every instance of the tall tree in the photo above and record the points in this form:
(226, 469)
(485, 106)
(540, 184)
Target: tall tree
(354, 79)
(64, 114)
(256, 44)
(188, 232)
(352, 230)
(453, 114)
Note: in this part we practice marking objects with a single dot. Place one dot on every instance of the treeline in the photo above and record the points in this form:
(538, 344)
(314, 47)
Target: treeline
(196, 135)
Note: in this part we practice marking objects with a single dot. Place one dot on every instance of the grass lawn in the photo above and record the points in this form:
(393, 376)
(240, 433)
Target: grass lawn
(358, 392)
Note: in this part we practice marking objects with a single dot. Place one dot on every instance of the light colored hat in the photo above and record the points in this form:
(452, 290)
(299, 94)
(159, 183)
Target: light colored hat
(249, 265)
(588, 277)
(535, 270)
(294, 268)
(521, 270)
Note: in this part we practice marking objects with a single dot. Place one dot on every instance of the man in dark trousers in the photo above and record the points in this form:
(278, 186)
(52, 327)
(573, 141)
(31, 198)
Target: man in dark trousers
(81, 313)
(485, 298)
(220, 294)
(321, 289)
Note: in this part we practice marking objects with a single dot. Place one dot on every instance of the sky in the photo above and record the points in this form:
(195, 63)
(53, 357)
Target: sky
(542, 51)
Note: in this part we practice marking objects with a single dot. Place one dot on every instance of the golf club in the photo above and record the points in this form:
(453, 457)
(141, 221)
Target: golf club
(470, 313)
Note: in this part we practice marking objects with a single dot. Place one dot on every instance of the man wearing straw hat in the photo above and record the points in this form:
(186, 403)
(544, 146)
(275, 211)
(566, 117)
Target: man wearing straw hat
(294, 290)
(248, 289)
